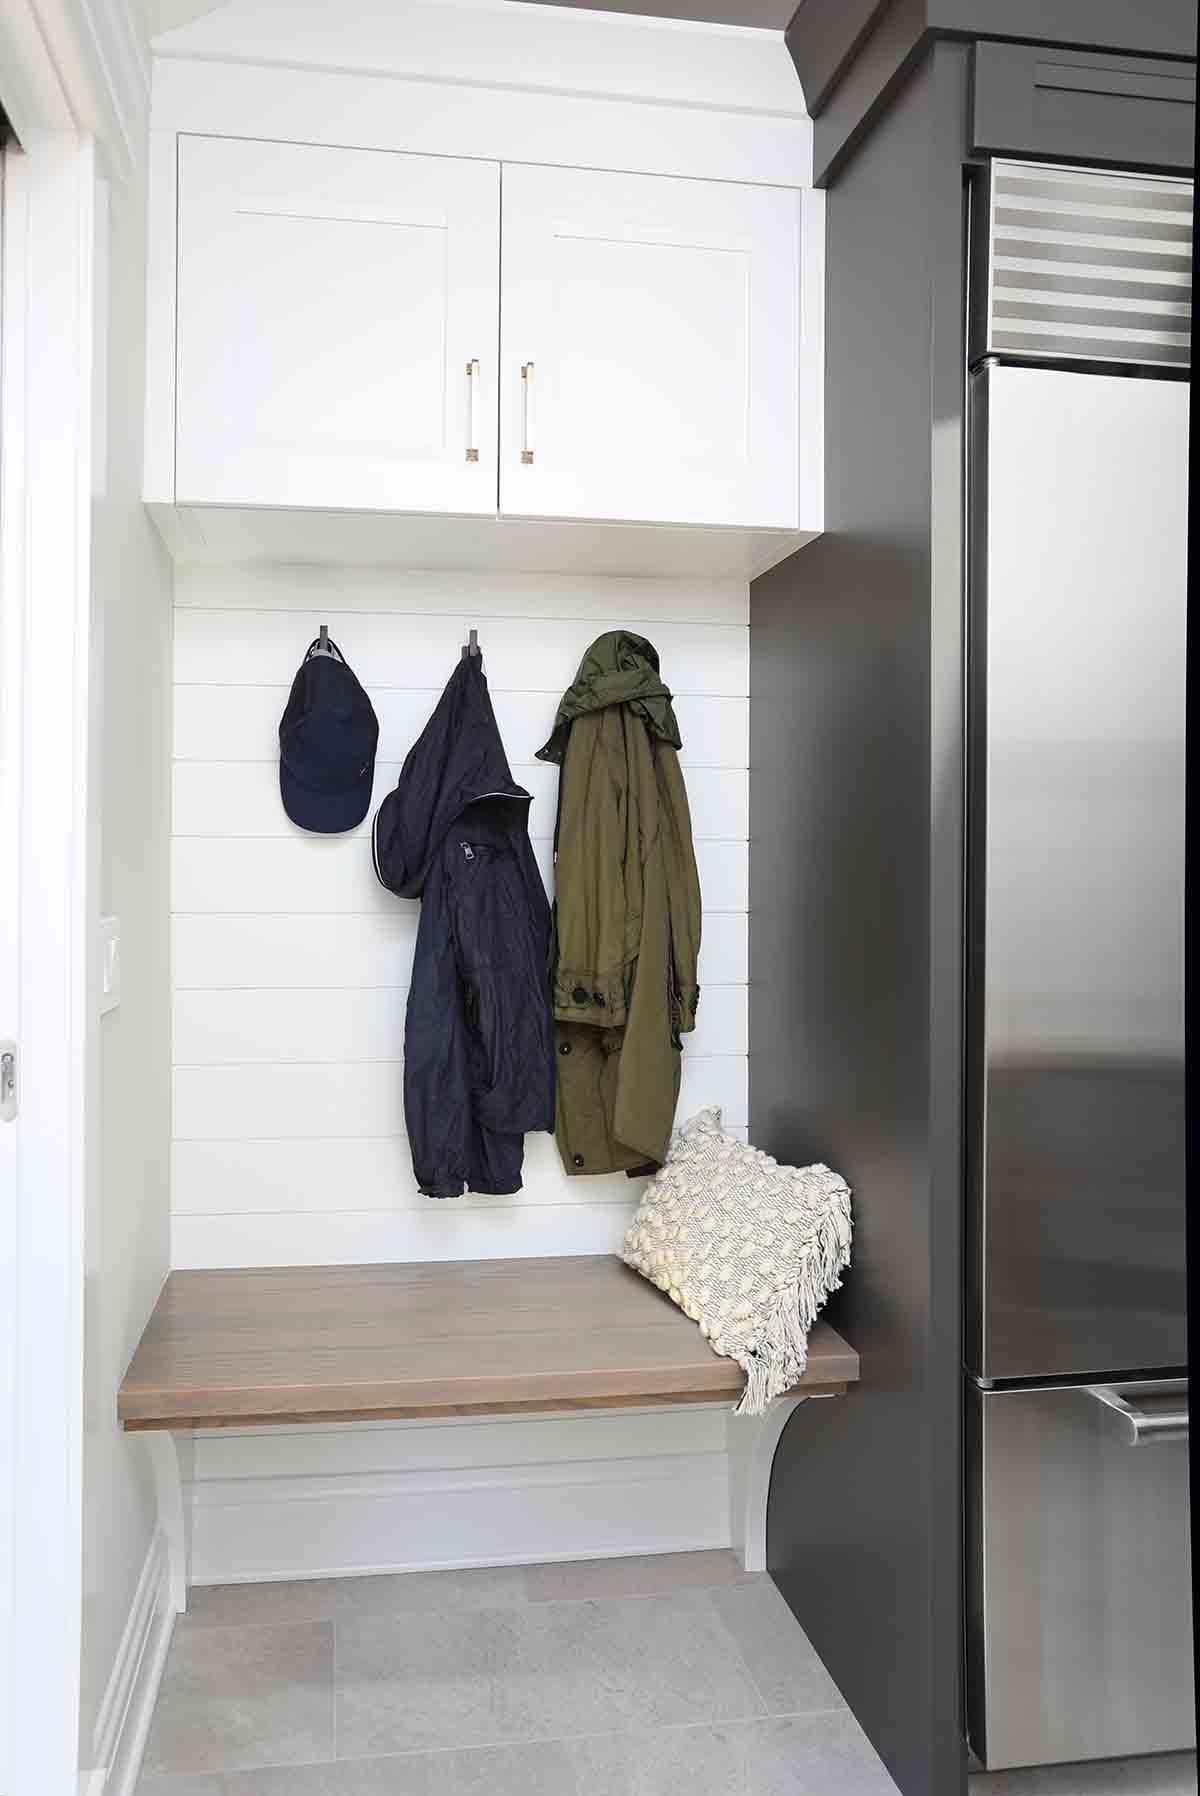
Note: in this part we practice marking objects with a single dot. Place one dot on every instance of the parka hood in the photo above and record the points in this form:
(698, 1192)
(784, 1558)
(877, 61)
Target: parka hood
(619, 669)
(457, 759)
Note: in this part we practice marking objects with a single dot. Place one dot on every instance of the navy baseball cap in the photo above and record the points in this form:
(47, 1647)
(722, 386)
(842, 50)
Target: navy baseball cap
(327, 739)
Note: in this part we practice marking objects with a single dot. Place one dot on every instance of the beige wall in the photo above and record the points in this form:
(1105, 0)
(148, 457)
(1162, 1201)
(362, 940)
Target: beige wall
(127, 1227)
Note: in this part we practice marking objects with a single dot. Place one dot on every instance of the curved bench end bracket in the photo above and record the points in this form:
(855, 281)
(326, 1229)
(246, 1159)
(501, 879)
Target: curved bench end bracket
(752, 1443)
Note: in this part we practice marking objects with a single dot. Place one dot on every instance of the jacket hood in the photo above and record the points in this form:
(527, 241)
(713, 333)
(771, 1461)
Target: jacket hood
(619, 669)
(457, 759)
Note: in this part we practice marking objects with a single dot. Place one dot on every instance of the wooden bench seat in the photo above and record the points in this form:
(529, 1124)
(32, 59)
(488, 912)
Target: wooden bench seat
(298, 1344)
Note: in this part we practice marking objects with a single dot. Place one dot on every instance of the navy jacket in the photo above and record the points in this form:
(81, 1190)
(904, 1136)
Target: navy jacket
(479, 1032)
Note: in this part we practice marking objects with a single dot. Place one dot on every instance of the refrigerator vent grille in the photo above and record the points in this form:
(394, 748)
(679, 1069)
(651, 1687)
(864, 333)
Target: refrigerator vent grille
(1089, 266)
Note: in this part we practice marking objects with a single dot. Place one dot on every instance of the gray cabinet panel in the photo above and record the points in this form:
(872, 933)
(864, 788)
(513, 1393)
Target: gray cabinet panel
(855, 935)
(853, 57)
(1118, 111)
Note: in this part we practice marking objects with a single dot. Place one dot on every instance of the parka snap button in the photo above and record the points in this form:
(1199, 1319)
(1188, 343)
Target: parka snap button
(579, 995)
(598, 998)
(564, 1047)
(577, 1159)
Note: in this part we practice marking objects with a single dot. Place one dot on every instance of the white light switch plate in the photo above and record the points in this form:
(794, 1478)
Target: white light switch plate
(110, 963)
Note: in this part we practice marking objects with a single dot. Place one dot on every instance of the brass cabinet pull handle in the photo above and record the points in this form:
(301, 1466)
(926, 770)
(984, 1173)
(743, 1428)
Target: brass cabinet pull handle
(527, 391)
(472, 410)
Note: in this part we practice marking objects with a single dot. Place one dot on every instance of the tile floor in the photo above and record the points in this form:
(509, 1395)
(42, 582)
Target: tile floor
(675, 1676)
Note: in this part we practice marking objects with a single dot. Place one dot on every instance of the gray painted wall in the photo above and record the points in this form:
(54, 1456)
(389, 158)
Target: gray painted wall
(851, 55)
(855, 932)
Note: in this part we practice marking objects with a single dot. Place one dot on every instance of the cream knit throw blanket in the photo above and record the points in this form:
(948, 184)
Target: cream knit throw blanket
(747, 1248)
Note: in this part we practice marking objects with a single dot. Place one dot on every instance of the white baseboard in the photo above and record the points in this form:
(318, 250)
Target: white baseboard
(123, 1723)
(324, 1502)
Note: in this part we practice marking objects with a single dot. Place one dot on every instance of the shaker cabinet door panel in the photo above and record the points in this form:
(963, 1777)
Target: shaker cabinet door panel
(337, 327)
(649, 354)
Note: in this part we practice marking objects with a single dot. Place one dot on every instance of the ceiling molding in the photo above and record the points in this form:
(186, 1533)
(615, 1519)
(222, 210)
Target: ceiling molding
(484, 44)
(31, 90)
(79, 65)
(120, 57)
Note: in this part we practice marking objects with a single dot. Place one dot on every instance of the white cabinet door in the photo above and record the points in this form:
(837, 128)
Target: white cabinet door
(330, 303)
(650, 341)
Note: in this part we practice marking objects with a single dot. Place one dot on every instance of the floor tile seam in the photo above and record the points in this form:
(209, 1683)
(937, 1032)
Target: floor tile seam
(352, 1618)
(224, 1772)
(633, 1596)
(190, 1632)
(838, 1708)
(736, 1644)
(523, 1606)
(416, 1752)
(528, 1610)
(658, 1727)
(842, 1706)
(333, 1690)
(192, 1627)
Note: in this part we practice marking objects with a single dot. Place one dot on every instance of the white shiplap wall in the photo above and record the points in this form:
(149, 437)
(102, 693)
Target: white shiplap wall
(291, 963)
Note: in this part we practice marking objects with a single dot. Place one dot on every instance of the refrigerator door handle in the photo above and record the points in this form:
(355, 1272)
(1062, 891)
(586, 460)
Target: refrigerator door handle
(1164, 1418)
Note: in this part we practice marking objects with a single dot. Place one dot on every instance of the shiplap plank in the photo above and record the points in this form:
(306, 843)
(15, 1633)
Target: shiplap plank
(600, 603)
(247, 1178)
(254, 648)
(268, 951)
(214, 1028)
(438, 1231)
(227, 1028)
(348, 1099)
(241, 723)
(241, 798)
(335, 874)
(370, 1173)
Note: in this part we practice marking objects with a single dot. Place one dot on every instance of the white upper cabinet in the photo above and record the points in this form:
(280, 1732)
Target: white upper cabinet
(649, 349)
(385, 345)
(337, 325)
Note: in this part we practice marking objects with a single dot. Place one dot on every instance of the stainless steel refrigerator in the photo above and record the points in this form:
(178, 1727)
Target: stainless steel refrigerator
(1079, 1634)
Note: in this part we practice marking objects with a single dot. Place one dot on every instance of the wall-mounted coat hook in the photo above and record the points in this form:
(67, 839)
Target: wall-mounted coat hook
(471, 645)
(323, 646)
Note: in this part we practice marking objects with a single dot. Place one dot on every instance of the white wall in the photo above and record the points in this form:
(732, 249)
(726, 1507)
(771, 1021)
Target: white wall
(290, 961)
(127, 1229)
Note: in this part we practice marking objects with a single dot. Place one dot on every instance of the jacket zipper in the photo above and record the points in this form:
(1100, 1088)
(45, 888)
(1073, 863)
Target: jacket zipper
(466, 846)
(375, 848)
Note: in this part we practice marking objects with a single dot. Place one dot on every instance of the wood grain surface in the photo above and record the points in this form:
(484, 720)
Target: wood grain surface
(481, 1337)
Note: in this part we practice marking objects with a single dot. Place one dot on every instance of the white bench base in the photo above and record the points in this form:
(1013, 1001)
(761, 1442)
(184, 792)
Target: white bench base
(244, 1505)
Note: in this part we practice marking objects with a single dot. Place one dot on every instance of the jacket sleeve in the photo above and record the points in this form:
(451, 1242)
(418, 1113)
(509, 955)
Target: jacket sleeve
(598, 875)
(683, 885)
(436, 1067)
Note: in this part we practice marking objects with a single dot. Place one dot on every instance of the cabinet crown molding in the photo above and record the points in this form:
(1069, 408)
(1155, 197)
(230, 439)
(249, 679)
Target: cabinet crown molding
(480, 43)
(84, 66)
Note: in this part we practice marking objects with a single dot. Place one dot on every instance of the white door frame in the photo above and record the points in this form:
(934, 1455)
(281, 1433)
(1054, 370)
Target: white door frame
(45, 410)
(74, 86)
(10, 963)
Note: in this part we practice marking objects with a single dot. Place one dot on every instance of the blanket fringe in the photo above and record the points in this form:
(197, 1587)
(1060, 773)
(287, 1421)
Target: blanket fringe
(779, 1357)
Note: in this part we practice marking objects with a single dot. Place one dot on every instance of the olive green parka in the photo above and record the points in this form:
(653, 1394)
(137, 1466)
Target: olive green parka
(627, 911)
